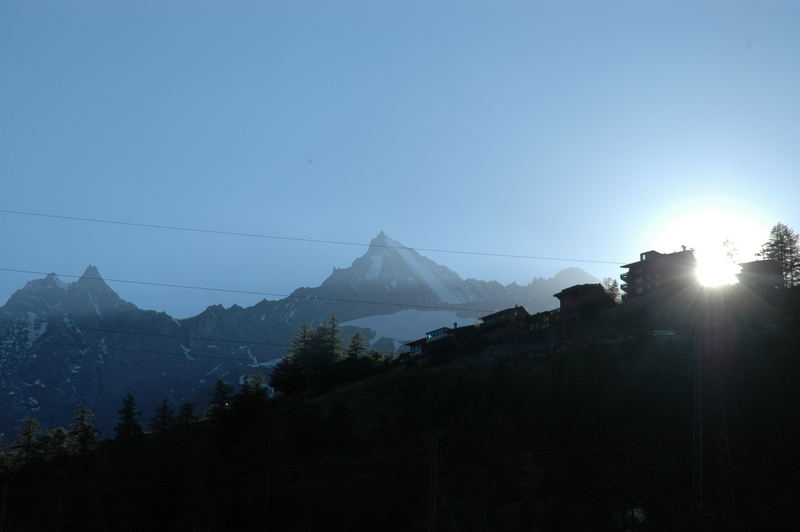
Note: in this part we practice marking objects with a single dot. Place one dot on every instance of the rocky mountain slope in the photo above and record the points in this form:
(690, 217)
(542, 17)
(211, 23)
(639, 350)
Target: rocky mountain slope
(62, 344)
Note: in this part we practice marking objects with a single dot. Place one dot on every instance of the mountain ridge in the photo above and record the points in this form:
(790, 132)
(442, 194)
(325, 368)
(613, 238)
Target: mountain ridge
(85, 344)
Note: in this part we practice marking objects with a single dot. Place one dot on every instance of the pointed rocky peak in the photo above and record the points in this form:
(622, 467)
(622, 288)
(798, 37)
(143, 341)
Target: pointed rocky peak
(53, 280)
(91, 280)
(574, 275)
(51, 296)
(91, 273)
(91, 294)
(38, 296)
(382, 240)
(378, 240)
(390, 270)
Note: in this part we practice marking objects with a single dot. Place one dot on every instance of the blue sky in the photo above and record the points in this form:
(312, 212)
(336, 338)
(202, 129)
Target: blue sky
(570, 129)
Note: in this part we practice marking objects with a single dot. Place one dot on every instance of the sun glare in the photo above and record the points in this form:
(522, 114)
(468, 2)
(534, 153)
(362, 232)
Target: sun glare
(719, 238)
(714, 268)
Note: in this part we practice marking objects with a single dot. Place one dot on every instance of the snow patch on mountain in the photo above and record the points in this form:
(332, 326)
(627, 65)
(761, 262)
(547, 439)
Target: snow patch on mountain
(409, 324)
(418, 265)
(187, 352)
(34, 330)
(94, 304)
(444, 294)
(376, 262)
(215, 369)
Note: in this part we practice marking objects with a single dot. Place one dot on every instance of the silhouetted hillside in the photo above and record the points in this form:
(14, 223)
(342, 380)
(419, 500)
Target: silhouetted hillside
(595, 436)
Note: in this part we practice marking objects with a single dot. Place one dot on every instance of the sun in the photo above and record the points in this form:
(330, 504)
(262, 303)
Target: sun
(715, 268)
(720, 239)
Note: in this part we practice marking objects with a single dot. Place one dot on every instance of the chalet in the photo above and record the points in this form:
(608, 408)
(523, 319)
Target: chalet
(515, 315)
(583, 299)
(656, 270)
(542, 320)
(438, 333)
(761, 274)
(415, 347)
(418, 346)
(445, 341)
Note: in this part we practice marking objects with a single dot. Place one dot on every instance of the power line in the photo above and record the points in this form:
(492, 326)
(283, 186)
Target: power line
(252, 292)
(298, 239)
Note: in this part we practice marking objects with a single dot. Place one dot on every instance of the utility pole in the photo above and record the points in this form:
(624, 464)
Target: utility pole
(433, 483)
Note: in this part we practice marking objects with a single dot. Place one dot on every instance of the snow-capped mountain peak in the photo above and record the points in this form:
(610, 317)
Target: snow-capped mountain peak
(389, 270)
(382, 240)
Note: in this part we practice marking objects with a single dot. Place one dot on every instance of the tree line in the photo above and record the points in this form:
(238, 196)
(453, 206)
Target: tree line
(81, 437)
(317, 360)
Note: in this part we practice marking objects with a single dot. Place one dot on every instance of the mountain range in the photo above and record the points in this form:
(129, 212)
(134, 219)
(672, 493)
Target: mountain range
(63, 344)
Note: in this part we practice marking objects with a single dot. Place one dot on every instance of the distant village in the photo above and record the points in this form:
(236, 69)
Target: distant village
(655, 274)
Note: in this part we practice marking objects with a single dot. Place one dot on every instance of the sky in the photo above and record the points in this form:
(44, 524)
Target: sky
(581, 130)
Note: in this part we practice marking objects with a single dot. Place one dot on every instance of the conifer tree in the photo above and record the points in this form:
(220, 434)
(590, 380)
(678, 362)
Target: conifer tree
(325, 348)
(186, 414)
(128, 426)
(220, 399)
(357, 345)
(53, 443)
(287, 376)
(82, 433)
(783, 248)
(26, 445)
(311, 354)
(298, 368)
(164, 418)
(253, 384)
(332, 343)
(5, 457)
(302, 343)
(611, 286)
(252, 397)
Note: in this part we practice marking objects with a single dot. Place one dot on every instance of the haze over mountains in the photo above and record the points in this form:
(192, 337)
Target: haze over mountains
(62, 344)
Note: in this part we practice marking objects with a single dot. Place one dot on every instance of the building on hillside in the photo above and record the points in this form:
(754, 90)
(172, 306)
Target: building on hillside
(761, 274)
(583, 299)
(444, 342)
(438, 333)
(507, 325)
(542, 320)
(656, 270)
(516, 315)
(415, 347)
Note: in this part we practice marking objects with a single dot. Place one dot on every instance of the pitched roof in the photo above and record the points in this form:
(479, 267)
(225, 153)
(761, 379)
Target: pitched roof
(513, 311)
(579, 289)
